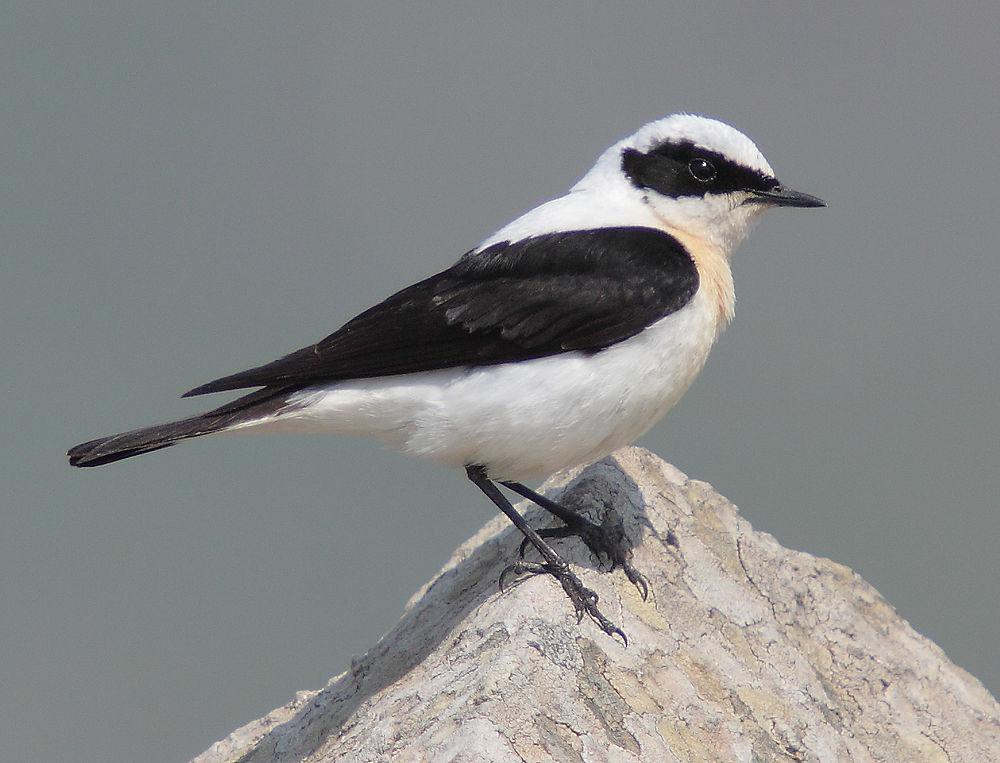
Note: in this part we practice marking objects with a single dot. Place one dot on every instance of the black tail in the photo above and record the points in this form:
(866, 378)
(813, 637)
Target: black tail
(106, 450)
(139, 441)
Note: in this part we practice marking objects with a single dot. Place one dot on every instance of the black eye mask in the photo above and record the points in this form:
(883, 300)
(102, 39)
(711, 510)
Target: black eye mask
(684, 169)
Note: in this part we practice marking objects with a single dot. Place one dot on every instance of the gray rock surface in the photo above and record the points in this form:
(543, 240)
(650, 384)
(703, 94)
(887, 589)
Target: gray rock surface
(745, 651)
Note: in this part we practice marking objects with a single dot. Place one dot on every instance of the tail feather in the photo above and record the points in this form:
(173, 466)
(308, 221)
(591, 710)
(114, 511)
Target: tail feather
(127, 444)
(106, 450)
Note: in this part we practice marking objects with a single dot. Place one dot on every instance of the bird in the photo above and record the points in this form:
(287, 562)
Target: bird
(560, 338)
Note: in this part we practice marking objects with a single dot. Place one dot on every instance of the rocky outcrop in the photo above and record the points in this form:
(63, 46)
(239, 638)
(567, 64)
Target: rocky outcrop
(744, 651)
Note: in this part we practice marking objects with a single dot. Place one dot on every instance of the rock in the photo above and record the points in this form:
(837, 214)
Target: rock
(745, 651)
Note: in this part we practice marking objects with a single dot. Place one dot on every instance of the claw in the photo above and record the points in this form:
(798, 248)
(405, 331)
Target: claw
(637, 579)
(583, 599)
(520, 568)
(522, 548)
(601, 546)
(502, 582)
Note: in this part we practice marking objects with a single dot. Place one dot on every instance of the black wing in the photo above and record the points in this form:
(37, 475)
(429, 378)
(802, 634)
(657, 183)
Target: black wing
(553, 293)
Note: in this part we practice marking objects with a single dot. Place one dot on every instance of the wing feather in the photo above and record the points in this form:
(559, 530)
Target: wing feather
(559, 292)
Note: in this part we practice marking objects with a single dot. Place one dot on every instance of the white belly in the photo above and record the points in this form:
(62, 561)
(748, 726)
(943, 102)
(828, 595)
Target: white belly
(520, 420)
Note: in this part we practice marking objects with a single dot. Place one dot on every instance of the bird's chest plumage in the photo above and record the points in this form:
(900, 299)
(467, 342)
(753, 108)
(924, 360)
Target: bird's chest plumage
(649, 373)
(529, 419)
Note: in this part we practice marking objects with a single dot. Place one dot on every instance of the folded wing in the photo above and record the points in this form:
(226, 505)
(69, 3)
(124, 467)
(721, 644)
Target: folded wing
(559, 292)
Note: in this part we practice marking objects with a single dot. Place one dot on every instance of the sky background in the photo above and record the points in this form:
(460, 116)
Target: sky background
(189, 189)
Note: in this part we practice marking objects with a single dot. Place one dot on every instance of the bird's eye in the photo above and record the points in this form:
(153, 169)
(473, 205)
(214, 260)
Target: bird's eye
(702, 170)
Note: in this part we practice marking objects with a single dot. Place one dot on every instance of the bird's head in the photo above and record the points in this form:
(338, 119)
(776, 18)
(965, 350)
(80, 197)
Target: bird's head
(697, 175)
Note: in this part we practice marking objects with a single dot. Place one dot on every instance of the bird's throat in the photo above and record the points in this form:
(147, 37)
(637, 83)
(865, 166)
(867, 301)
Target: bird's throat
(715, 275)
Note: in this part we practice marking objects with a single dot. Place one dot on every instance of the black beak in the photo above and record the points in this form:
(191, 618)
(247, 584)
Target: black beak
(780, 196)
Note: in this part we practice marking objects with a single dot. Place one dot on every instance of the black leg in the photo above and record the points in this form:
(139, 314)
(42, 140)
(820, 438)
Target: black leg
(567, 515)
(584, 600)
(607, 539)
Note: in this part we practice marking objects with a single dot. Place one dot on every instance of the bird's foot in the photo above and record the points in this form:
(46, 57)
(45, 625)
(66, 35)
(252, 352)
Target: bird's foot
(606, 540)
(583, 599)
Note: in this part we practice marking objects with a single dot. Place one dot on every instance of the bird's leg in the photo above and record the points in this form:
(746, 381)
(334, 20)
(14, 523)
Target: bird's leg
(607, 539)
(584, 600)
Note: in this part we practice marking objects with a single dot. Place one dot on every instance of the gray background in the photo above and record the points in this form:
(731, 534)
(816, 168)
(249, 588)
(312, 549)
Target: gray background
(189, 189)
